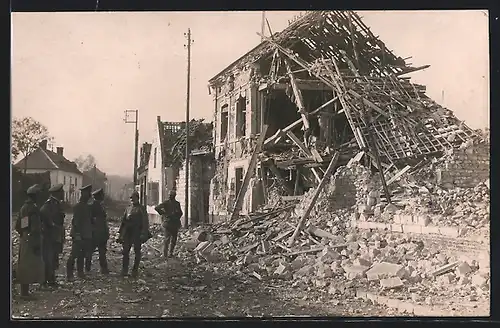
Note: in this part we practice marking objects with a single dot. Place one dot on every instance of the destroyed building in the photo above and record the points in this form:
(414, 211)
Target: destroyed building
(166, 167)
(323, 91)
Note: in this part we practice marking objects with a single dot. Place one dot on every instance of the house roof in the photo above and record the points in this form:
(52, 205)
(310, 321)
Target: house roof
(98, 174)
(335, 29)
(44, 159)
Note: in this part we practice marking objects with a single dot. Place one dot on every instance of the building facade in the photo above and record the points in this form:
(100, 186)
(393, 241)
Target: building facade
(61, 170)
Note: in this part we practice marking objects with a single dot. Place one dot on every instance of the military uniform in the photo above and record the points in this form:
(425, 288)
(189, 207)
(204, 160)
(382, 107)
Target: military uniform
(30, 266)
(134, 231)
(81, 234)
(171, 213)
(100, 229)
(52, 218)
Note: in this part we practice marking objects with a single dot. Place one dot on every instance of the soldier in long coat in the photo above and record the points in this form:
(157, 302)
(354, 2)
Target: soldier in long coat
(30, 267)
(134, 231)
(51, 215)
(171, 213)
(81, 234)
(100, 230)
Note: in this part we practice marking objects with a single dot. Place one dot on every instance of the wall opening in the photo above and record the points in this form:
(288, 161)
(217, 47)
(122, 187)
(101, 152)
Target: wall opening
(224, 122)
(241, 117)
(238, 172)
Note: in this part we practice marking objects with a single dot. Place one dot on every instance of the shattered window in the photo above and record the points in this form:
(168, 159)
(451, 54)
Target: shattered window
(224, 122)
(241, 120)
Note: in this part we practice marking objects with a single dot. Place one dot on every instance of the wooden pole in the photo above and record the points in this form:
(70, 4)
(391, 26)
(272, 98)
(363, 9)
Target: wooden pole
(188, 87)
(327, 175)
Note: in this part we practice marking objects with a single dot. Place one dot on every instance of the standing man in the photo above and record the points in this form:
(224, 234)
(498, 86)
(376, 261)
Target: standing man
(171, 213)
(30, 267)
(134, 231)
(100, 230)
(51, 216)
(81, 234)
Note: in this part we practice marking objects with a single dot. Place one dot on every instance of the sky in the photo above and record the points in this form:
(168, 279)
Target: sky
(78, 72)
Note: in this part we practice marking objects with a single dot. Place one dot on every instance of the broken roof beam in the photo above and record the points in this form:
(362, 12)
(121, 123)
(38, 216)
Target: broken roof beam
(319, 188)
(301, 84)
(412, 69)
(304, 149)
(298, 95)
(297, 122)
(369, 103)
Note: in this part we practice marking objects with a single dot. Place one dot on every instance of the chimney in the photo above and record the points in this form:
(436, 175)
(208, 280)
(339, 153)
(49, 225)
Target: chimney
(43, 144)
(60, 151)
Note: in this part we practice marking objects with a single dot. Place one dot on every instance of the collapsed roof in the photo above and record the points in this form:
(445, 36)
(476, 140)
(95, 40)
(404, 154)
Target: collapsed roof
(390, 117)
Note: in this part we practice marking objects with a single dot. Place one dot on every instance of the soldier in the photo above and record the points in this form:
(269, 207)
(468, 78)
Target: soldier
(81, 234)
(134, 231)
(171, 213)
(100, 230)
(52, 217)
(30, 267)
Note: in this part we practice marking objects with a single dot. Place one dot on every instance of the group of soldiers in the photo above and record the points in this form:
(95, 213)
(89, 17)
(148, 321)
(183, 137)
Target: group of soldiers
(42, 235)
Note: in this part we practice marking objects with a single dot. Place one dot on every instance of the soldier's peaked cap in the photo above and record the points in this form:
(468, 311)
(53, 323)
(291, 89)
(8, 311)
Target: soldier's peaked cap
(86, 188)
(33, 189)
(97, 191)
(56, 188)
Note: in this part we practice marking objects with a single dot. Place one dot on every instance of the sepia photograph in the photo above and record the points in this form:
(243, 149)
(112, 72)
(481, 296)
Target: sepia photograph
(229, 164)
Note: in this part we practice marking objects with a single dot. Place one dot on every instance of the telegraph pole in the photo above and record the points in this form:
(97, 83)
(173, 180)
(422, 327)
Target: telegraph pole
(262, 26)
(135, 121)
(188, 85)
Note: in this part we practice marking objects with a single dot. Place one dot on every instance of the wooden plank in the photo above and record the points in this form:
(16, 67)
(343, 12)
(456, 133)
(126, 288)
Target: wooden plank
(399, 174)
(298, 95)
(318, 190)
(292, 198)
(297, 122)
(263, 179)
(369, 103)
(248, 174)
(305, 150)
(316, 155)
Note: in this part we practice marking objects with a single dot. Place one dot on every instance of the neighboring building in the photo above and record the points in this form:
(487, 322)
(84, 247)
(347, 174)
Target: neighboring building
(160, 176)
(61, 169)
(96, 178)
(166, 167)
(142, 171)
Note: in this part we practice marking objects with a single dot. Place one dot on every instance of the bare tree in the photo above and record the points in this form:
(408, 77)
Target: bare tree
(85, 163)
(27, 133)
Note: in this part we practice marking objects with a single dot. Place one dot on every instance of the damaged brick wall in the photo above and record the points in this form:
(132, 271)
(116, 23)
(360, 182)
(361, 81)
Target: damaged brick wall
(465, 167)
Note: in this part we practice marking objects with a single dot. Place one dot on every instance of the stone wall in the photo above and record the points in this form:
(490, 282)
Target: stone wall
(465, 167)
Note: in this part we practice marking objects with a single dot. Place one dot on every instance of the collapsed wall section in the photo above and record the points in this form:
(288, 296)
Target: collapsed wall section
(465, 167)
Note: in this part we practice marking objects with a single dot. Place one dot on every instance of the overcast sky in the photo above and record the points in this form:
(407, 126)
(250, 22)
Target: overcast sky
(77, 72)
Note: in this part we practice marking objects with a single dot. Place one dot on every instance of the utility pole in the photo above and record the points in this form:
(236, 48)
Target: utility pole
(262, 26)
(135, 121)
(93, 175)
(188, 85)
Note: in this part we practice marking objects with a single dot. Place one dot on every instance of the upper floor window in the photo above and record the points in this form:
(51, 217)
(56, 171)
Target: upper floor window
(224, 122)
(64, 179)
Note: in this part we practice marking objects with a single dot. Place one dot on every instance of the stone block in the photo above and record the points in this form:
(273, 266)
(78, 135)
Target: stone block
(362, 262)
(361, 294)
(329, 255)
(479, 280)
(324, 271)
(464, 269)
(430, 230)
(355, 271)
(372, 297)
(225, 240)
(385, 270)
(391, 283)
(397, 228)
(412, 228)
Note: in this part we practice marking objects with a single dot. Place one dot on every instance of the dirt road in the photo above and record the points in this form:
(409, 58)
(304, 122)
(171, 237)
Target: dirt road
(181, 287)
